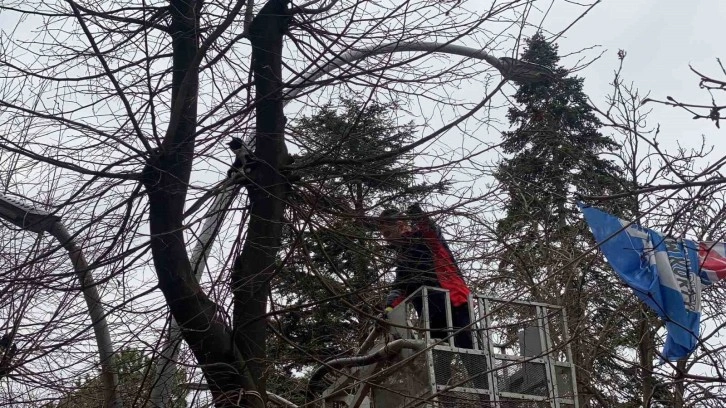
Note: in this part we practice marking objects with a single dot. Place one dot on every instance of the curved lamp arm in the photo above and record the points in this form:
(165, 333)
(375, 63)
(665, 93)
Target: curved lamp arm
(510, 68)
(39, 221)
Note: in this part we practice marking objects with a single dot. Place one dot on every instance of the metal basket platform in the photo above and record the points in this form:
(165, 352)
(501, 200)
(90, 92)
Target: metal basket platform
(521, 358)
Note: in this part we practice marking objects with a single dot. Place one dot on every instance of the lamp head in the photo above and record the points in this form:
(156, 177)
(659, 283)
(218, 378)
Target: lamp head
(524, 71)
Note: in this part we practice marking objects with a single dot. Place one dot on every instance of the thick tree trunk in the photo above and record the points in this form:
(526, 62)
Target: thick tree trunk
(256, 265)
(166, 178)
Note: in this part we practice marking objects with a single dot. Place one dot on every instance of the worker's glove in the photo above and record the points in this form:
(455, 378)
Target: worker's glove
(388, 310)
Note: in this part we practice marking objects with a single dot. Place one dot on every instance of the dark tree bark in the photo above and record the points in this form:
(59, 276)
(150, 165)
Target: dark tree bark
(166, 178)
(256, 265)
(680, 388)
(646, 352)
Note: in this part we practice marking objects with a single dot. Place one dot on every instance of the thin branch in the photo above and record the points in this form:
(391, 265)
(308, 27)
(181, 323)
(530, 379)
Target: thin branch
(304, 9)
(661, 187)
(111, 77)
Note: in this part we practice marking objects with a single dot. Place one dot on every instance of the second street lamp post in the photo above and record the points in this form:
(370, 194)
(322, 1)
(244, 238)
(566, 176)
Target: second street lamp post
(510, 69)
(38, 221)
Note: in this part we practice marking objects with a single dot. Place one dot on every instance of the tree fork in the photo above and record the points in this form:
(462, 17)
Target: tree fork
(166, 177)
(256, 264)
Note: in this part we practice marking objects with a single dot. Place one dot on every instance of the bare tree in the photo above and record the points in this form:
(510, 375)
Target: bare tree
(711, 84)
(676, 191)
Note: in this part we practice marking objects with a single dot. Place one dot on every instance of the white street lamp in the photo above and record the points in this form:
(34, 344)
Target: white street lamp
(510, 68)
(39, 221)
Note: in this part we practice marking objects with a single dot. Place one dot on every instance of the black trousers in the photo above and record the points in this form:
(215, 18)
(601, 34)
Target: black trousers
(437, 319)
(460, 318)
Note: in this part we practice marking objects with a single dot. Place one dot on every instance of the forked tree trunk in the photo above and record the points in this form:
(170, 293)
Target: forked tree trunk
(166, 178)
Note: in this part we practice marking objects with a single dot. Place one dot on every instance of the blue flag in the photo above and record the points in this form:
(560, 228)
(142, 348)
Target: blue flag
(662, 271)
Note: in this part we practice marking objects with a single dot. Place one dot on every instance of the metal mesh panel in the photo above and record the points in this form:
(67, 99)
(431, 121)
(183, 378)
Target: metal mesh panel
(403, 386)
(519, 403)
(460, 369)
(527, 378)
(444, 374)
(455, 399)
(564, 381)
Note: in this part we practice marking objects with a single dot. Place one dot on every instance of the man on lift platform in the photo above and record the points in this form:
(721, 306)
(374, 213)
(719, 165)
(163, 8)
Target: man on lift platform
(424, 259)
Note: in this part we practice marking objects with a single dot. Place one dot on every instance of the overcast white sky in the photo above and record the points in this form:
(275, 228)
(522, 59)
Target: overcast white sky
(661, 38)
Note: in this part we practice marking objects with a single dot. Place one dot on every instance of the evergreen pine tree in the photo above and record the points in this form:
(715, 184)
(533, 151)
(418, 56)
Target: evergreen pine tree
(555, 152)
(136, 375)
(343, 181)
